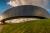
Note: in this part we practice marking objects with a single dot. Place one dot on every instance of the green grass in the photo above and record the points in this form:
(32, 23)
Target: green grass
(38, 26)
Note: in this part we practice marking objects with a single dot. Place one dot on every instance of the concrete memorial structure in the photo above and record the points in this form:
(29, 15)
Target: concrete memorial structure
(24, 9)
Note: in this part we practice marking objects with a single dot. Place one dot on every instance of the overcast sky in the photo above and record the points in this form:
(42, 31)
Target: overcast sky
(4, 6)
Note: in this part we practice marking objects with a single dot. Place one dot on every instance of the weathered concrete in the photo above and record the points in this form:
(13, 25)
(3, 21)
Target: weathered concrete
(25, 10)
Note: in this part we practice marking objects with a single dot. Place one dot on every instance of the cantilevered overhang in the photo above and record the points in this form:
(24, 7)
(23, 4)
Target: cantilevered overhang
(25, 11)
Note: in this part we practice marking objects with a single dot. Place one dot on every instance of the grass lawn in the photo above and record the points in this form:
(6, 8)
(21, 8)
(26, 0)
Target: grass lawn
(38, 26)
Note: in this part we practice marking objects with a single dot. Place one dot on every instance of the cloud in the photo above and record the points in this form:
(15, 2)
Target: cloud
(12, 4)
(40, 3)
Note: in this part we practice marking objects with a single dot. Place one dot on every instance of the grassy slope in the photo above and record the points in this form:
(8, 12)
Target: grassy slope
(39, 26)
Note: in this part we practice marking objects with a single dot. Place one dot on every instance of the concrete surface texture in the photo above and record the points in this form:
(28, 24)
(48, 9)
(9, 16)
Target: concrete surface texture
(38, 3)
(26, 10)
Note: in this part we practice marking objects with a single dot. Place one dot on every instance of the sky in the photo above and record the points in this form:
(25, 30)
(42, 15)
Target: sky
(4, 6)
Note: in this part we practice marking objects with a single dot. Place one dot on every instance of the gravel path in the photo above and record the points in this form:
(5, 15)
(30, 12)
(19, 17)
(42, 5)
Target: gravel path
(1, 27)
